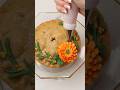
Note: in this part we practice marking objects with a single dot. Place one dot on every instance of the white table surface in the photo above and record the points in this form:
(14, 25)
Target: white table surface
(77, 82)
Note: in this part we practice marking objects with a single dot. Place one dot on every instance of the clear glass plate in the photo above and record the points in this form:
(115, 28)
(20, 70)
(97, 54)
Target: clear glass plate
(66, 71)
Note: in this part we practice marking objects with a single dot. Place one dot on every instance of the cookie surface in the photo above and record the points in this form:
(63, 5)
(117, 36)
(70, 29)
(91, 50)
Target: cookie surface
(50, 35)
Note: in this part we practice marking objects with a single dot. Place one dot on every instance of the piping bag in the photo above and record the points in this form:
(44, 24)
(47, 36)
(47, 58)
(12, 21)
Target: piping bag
(69, 19)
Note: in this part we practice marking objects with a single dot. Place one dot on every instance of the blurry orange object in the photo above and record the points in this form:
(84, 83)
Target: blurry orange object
(67, 52)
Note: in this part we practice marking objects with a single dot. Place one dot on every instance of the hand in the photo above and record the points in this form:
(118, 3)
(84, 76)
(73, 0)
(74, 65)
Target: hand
(81, 5)
(64, 5)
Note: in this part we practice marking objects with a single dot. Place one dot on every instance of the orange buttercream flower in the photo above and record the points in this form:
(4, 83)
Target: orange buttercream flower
(67, 52)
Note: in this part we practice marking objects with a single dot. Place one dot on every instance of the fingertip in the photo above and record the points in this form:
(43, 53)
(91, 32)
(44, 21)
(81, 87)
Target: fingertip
(67, 7)
(64, 11)
(69, 1)
(61, 9)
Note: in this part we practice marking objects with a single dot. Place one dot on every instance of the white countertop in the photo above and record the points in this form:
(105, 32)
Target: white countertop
(77, 82)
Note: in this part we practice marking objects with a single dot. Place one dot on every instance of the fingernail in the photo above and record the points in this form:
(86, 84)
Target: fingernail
(67, 6)
(64, 11)
(69, 1)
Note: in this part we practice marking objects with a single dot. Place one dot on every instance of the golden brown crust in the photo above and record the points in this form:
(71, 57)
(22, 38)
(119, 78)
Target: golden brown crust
(50, 35)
